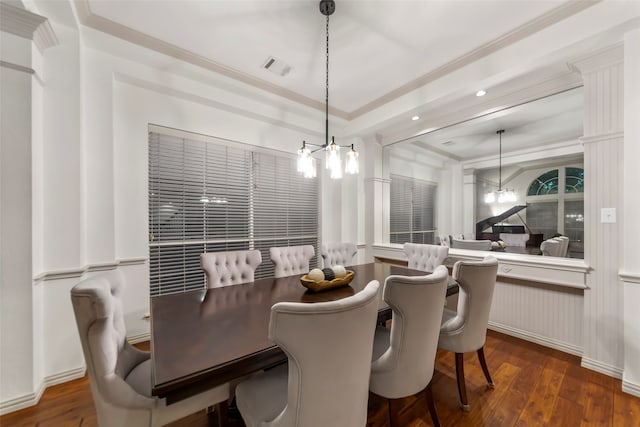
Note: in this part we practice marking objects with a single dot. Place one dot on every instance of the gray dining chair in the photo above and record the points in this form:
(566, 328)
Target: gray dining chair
(229, 268)
(326, 380)
(338, 253)
(425, 257)
(290, 260)
(120, 374)
(465, 329)
(404, 357)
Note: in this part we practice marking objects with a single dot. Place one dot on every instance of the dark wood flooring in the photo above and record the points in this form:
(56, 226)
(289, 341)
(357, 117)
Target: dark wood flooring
(535, 386)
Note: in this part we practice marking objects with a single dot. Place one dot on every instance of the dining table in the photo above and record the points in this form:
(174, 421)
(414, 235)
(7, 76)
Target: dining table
(204, 338)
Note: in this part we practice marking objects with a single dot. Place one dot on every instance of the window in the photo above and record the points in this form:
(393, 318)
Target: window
(208, 195)
(553, 212)
(412, 211)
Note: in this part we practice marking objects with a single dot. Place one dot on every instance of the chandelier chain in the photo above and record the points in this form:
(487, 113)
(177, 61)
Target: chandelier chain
(326, 98)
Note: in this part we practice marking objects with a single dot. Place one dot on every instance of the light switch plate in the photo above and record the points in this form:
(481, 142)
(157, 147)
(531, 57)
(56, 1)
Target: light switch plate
(608, 215)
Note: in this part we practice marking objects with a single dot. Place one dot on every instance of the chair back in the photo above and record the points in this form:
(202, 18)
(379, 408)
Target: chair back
(425, 257)
(466, 330)
(97, 304)
(229, 268)
(564, 245)
(476, 245)
(329, 347)
(551, 247)
(417, 302)
(290, 260)
(338, 253)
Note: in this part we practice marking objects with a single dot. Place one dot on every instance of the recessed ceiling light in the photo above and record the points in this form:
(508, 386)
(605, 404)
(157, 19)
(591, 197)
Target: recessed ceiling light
(414, 118)
(481, 92)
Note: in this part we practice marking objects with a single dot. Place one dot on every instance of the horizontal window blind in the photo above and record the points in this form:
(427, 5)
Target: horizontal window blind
(208, 196)
(412, 211)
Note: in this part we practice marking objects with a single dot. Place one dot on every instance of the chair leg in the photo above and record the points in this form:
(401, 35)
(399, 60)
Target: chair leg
(222, 410)
(462, 388)
(394, 412)
(483, 363)
(432, 406)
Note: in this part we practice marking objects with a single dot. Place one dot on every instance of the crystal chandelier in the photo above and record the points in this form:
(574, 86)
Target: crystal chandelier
(501, 195)
(333, 161)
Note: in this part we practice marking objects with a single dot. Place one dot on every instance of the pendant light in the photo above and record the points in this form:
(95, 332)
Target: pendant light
(501, 195)
(333, 161)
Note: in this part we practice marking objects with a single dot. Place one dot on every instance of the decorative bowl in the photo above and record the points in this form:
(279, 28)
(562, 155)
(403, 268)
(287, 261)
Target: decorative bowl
(325, 285)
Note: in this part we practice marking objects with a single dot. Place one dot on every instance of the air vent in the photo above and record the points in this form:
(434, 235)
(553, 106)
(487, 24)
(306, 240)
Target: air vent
(277, 66)
(448, 143)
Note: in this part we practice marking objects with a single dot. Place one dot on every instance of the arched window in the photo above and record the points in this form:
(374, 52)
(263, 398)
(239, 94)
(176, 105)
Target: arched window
(553, 212)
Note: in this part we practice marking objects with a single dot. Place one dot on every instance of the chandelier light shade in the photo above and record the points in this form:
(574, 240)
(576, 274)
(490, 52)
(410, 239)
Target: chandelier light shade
(502, 195)
(333, 161)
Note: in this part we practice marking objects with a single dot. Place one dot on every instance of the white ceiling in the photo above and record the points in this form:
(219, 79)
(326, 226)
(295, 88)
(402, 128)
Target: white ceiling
(376, 47)
(380, 50)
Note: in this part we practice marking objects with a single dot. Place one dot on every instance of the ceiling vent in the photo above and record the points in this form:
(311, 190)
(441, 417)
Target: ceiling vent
(277, 66)
(448, 143)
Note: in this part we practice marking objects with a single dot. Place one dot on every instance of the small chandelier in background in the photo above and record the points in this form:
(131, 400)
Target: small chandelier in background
(506, 195)
(333, 161)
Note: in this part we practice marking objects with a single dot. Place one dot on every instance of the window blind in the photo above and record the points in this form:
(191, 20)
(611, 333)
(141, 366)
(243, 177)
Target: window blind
(209, 196)
(412, 211)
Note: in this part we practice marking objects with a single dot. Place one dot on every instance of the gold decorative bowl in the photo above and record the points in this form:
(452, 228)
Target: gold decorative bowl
(325, 285)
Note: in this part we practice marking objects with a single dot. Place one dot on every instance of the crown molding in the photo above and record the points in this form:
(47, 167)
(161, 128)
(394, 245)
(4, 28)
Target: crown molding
(598, 60)
(610, 136)
(89, 19)
(28, 25)
(535, 25)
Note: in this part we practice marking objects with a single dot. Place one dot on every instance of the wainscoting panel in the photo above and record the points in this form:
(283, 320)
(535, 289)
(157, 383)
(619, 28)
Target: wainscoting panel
(547, 314)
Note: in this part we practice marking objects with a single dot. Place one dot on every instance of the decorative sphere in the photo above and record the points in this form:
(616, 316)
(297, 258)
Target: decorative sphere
(316, 275)
(495, 245)
(339, 271)
(328, 274)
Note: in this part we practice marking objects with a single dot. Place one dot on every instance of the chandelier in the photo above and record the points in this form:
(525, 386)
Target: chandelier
(501, 195)
(333, 161)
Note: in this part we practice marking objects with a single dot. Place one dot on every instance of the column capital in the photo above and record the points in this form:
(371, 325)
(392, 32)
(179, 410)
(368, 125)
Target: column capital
(599, 59)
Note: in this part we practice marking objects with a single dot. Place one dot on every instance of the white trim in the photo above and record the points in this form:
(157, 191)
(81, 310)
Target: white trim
(599, 59)
(603, 368)
(17, 67)
(135, 339)
(602, 137)
(32, 399)
(64, 376)
(22, 23)
(629, 277)
(71, 273)
(631, 388)
(377, 179)
(21, 402)
(535, 338)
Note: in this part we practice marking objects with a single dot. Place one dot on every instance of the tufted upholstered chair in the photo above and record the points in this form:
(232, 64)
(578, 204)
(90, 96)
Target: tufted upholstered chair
(564, 245)
(445, 241)
(326, 382)
(290, 260)
(404, 357)
(120, 374)
(476, 245)
(465, 330)
(229, 268)
(336, 253)
(425, 257)
(551, 247)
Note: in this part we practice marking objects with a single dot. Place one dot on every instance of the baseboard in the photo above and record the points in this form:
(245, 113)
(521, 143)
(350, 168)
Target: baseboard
(603, 368)
(32, 399)
(134, 339)
(21, 402)
(538, 339)
(631, 388)
(63, 377)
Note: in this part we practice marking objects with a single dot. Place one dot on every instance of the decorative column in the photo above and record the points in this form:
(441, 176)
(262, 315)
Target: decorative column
(603, 140)
(468, 207)
(21, 118)
(376, 200)
(630, 271)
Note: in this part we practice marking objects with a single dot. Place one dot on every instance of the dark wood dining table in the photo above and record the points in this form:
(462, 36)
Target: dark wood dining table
(201, 339)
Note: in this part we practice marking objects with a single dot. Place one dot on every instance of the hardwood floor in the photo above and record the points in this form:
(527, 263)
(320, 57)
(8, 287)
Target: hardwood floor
(535, 386)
